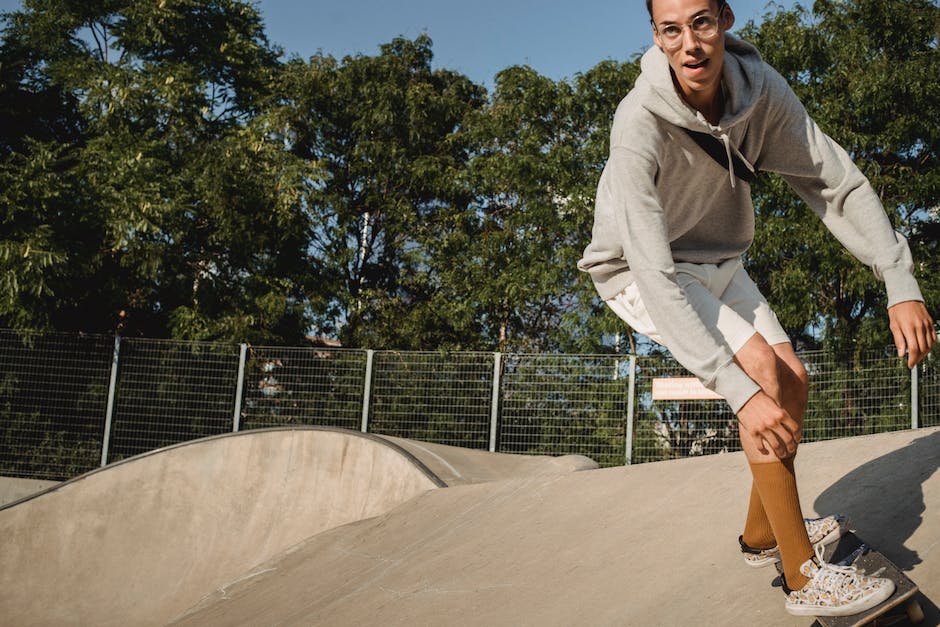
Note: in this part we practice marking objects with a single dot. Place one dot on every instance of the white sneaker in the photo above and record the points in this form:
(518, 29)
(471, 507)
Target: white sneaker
(835, 590)
(821, 531)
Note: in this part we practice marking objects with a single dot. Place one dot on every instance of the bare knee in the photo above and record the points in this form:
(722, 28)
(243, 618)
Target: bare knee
(778, 371)
(760, 362)
(793, 376)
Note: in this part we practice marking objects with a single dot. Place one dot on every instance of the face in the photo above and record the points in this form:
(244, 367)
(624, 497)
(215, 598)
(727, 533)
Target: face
(696, 61)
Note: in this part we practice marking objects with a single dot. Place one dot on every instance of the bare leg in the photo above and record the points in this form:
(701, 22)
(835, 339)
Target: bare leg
(775, 500)
(781, 375)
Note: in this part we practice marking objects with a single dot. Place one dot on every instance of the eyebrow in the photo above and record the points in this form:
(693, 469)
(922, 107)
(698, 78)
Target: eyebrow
(694, 15)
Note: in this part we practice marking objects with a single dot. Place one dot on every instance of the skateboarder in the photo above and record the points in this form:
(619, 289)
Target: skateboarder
(673, 216)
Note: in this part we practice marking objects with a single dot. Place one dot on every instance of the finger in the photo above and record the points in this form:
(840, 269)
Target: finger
(918, 347)
(793, 434)
(899, 342)
(929, 336)
(777, 446)
(784, 444)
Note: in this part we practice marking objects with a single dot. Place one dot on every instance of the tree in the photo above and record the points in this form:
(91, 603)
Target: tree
(149, 193)
(865, 71)
(386, 133)
(538, 148)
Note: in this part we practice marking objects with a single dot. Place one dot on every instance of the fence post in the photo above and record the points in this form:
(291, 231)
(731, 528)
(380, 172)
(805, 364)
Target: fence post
(367, 392)
(239, 387)
(915, 397)
(631, 396)
(494, 399)
(109, 412)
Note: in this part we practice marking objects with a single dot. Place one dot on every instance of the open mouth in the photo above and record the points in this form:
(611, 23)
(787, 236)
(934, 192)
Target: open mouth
(697, 64)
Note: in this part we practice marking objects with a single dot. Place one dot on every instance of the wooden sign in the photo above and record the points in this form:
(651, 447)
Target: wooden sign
(682, 389)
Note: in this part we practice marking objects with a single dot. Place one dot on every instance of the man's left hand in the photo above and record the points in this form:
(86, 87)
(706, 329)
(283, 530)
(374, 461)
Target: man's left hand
(913, 330)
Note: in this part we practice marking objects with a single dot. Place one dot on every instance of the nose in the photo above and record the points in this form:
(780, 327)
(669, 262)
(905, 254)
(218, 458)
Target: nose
(689, 40)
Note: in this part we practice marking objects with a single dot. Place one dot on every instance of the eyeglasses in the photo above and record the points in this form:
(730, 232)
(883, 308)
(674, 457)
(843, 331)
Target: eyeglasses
(704, 27)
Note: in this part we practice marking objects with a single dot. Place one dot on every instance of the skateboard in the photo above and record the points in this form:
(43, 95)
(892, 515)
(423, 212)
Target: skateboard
(903, 605)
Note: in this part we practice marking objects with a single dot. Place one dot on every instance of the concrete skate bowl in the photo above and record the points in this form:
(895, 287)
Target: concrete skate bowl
(651, 544)
(135, 542)
(142, 540)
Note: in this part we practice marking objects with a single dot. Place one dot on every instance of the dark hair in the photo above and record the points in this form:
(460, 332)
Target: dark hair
(649, 7)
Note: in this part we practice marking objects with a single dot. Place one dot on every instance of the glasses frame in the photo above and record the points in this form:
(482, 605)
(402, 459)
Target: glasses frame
(675, 43)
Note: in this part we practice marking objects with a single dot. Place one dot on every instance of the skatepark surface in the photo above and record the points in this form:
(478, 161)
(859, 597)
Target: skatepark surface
(327, 527)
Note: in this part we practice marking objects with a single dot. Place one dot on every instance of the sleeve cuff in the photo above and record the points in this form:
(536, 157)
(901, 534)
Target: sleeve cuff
(901, 286)
(732, 383)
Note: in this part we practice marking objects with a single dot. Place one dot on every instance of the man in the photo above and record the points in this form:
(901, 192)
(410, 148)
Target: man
(671, 224)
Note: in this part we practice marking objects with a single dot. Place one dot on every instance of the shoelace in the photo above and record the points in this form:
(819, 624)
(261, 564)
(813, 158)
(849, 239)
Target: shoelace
(830, 576)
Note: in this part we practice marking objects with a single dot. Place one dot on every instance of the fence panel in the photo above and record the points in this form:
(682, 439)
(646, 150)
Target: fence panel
(170, 392)
(565, 404)
(303, 386)
(678, 428)
(433, 397)
(856, 395)
(53, 394)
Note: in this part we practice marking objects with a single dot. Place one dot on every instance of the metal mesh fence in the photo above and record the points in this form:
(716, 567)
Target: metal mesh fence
(170, 392)
(53, 396)
(290, 386)
(849, 395)
(55, 390)
(856, 395)
(433, 397)
(565, 404)
(677, 428)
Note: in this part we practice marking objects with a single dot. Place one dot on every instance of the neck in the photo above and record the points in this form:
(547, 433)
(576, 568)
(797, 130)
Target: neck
(710, 104)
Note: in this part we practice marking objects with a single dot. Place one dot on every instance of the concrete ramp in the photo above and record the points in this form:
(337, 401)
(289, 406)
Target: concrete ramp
(15, 488)
(454, 465)
(141, 540)
(653, 544)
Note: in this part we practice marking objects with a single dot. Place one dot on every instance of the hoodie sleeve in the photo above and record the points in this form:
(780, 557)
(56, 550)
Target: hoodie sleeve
(629, 193)
(821, 172)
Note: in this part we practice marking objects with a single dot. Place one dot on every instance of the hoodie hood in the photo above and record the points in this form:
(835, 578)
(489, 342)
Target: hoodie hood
(742, 80)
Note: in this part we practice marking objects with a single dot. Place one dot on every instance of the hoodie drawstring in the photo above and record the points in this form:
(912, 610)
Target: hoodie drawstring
(727, 142)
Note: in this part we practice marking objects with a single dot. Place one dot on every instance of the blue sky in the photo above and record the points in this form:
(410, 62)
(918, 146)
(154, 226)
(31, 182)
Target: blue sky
(480, 37)
(476, 37)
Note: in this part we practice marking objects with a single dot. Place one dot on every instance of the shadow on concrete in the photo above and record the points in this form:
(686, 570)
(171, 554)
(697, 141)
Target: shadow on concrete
(884, 499)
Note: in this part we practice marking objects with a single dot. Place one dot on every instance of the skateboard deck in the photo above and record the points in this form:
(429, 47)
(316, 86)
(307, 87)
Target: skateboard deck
(851, 550)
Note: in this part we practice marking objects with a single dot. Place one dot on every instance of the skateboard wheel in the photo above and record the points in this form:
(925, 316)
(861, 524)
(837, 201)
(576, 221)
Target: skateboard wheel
(914, 612)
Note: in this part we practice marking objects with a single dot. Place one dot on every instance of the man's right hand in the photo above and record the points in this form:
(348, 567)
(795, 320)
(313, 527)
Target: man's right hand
(771, 429)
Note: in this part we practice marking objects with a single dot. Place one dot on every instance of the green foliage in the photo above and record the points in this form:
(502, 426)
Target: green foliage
(537, 150)
(386, 133)
(163, 172)
(864, 69)
(151, 194)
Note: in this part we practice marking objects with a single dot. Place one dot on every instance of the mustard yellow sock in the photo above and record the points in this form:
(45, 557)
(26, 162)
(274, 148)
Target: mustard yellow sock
(758, 534)
(776, 483)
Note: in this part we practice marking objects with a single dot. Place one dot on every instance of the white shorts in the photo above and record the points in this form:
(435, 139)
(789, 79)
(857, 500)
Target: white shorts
(723, 295)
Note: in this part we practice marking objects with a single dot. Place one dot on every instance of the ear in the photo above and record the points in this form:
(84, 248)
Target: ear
(727, 17)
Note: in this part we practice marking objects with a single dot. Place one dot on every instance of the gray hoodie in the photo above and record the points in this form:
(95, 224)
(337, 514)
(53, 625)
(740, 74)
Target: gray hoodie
(662, 200)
